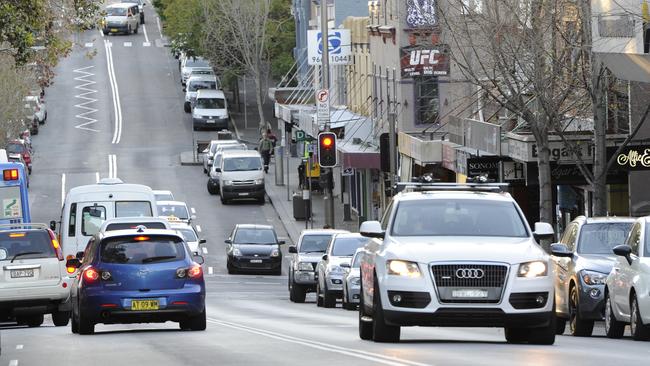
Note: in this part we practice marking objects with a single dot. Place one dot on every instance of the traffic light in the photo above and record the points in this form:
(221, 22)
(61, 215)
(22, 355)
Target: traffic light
(327, 149)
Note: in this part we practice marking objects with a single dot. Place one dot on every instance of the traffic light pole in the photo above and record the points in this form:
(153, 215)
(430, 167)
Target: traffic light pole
(325, 72)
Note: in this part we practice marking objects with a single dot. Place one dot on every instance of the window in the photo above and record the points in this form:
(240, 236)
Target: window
(386, 216)
(72, 220)
(154, 249)
(12, 207)
(315, 243)
(26, 244)
(242, 164)
(345, 247)
(255, 236)
(116, 12)
(188, 235)
(179, 211)
(133, 225)
(133, 209)
(458, 217)
(427, 100)
(635, 239)
(601, 238)
(646, 244)
(196, 85)
(92, 218)
(569, 237)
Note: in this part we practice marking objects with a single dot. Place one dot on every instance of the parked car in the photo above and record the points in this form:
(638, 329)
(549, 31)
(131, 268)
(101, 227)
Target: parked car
(330, 270)
(194, 84)
(121, 18)
(211, 150)
(174, 211)
(352, 282)
(190, 63)
(627, 292)
(304, 258)
(29, 119)
(38, 106)
(241, 177)
(210, 110)
(34, 279)
(582, 260)
(163, 195)
(20, 147)
(189, 234)
(456, 255)
(213, 180)
(254, 248)
(117, 265)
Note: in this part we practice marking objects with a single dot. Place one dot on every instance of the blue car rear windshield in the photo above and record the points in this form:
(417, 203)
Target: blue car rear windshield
(142, 249)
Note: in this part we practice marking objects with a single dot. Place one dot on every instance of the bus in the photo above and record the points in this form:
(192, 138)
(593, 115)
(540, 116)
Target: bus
(13, 192)
(87, 207)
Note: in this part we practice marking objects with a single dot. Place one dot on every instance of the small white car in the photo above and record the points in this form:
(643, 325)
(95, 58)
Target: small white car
(190, 235)
(121, 18)
(333, 266)
(174, 211)
(163, 195)
(190, 63)
(352, 283)
(627, 292)
(213, 180)
(211, 150)
(210, 110)
(194, 84)
(454, 255)
(242, 176)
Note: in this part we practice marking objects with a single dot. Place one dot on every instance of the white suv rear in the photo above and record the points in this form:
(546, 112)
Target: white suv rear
(34, 280)
(459, 256)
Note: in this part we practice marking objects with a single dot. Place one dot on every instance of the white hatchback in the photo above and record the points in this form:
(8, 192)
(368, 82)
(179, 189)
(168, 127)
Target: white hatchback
(627, 292)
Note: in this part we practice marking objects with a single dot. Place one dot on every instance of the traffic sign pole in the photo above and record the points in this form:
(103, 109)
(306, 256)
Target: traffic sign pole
(329, 199)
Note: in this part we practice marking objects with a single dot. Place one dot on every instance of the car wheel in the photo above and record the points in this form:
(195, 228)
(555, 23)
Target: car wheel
(515, 335)
(640, 332)
(105, 33)
(578, 326)
(231, 269)
(613, 328)
(382, 332)
(85, 325)
(128, 30)
(365, 326)
(297, 293)
(186, 107)
(224, 201)
(31, 321)
(61, 318)
(319, 299)
(195, 323)
(211, 188)
(329, 299)
(560, 326)
(142, 20)
(545, 335)
(205, 170)
(261, 200)
(74, 325)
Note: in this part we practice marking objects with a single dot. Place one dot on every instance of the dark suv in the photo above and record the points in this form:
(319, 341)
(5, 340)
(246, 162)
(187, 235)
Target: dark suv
(582, 259)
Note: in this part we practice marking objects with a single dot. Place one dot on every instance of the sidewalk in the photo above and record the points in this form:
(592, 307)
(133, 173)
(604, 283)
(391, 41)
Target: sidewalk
(284, 207)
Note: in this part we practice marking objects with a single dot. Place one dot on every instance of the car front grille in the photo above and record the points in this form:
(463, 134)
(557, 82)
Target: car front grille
(243, 182)
(455, 282)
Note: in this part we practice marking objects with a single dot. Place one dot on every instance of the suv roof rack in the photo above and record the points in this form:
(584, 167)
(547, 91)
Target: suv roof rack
(473, 187)
(23, 226)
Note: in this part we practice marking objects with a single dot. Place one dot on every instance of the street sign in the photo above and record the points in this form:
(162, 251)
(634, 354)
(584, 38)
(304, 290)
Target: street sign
(347, 172)
(300, 135)
(323, 105)
(340, 47)
(311, 148)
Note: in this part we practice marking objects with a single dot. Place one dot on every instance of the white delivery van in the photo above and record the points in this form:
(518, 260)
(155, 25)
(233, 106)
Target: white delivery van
(87, 207)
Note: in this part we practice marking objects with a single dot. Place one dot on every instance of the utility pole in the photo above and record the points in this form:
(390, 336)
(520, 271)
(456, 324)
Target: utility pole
(325, 72)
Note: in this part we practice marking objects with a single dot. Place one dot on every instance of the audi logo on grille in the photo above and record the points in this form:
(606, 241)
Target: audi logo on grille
(470, 273)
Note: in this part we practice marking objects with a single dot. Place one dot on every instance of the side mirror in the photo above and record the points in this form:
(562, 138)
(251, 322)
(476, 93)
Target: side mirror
(53, 225)
(543, 230)
(217, 170)
(372, 229)
(560, 250)
(198, 258)
(282, 241)
(80, 255)
(228, 241)
(184, 89)
(624, 251)
(202, 241)
(293, 249)
(73, 263)
(193, 217)
(325, 257)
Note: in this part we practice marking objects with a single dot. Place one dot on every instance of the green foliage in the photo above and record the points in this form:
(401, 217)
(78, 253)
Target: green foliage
(282, 38)
(184, 21)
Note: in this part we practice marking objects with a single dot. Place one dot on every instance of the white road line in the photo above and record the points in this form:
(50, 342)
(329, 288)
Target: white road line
(204, 250)
(62, 189)
(89, 44)
(114, 166)
(146, 44)
(128, 44)
(101, 33)
(146, 37)
(19, 346)
(159, 28)
(198, 228)
(117, 107)
(13, 363)
(210, 270)
(87, 91)
(110, 166)
(97, 177)
(193, 211)
(357, 353)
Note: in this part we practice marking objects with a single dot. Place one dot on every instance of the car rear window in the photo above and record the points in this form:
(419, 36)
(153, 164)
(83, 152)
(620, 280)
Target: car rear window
(197, 62)
(179, 211)
(133, 225)
(346, 247)
(25, 245)
(211, 103)
(142, 249)
(188, 234)
(15, 148)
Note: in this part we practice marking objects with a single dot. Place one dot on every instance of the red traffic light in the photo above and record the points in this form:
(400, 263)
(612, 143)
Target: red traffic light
(327, 155)
(327, 141)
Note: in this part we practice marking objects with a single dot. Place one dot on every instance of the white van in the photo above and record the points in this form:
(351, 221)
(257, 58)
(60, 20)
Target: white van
(241, 176)
(87, 207)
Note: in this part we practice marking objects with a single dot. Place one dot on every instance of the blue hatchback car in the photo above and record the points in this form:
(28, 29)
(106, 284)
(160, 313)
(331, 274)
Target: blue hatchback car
(137, 276)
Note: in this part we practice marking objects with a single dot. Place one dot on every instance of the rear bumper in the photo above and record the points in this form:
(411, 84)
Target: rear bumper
(469, 317)
(38, 300)
(116, 29)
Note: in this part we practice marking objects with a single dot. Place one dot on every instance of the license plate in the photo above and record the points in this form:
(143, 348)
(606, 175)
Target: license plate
(469, 293)
(144, 305)
(114, 30)
(256, 261)
(210, 120)
(21, 273)
(244, 194)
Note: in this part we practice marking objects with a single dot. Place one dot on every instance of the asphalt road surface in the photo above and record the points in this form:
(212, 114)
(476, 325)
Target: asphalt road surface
(138, 138)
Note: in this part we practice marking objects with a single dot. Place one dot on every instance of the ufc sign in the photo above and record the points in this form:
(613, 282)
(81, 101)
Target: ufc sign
(425, 61)
(424, 57)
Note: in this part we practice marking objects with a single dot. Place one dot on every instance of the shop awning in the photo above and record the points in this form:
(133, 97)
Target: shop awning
(358, 148)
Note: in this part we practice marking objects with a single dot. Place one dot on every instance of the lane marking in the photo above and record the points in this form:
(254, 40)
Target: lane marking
(128, 44)
(204, 250)
(20, 346)
(86, 116)
(62, 189)
(198, 228)
(369, 356)
(13, 363)
(89, 45)
(97, 177)
(117, 107)
(112, 166)
(159, 28)
(210, 270)
(146, 44)
(193, 211)
(101, 33)
(146, 37)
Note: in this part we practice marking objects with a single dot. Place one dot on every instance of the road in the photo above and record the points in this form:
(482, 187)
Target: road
(116, 110)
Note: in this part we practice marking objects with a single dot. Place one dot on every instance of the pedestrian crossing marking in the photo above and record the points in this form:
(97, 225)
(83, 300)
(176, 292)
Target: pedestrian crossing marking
(127, 44)
(89, 45)
(146, 44)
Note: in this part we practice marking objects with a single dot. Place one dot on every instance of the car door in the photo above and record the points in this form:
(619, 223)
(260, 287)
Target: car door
(563, 268)
(625, 273)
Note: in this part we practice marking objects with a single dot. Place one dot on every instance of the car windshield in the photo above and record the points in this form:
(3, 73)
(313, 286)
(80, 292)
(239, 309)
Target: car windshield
(134, 225)
(188, 234)
(179, 211)
(346, 247)
(196, 85)
(196, 62)
(15, 148)
(25, 245)
(210, 103)
(458, 217)
(255, 236)
(601, 238)
(242, 164)
(116, 12)
(142, 249)
(315, 243)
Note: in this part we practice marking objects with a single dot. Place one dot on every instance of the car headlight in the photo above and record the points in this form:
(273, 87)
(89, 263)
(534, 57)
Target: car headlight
(275, 253)
(335, 270)
(594, 278)
(403, 268)
(259, 181)
(305, 266)
(236, 252)
(356, 281)
(227, 182)
(533, 269)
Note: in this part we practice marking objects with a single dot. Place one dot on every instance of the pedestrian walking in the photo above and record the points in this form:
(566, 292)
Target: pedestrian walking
(266, 145)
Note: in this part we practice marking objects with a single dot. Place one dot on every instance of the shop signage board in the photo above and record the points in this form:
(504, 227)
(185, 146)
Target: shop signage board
(425, 61)
(340, 47)
(635, 158)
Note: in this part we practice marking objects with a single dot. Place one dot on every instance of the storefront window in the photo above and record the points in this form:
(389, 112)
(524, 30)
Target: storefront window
(427, 100)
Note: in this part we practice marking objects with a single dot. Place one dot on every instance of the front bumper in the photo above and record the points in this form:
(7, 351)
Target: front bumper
(468, 317)
(353, 293)
(334, 282)
(216, 123)
(304, 278)
(252, 263)
(243, 191)
(592, 302)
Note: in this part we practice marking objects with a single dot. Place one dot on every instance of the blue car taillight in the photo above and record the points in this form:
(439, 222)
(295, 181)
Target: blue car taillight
(194, 272)
(92, 276)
